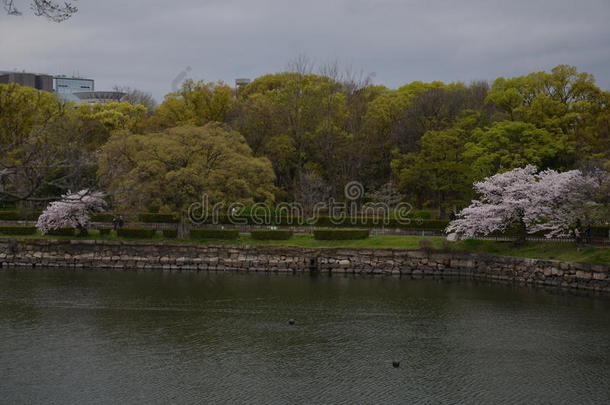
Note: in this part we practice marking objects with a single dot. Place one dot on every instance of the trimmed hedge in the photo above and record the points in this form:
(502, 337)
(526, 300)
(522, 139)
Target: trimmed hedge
(271, 234)
(9, 216)
(17, 230)
(214, 233)
(170, 233)
(340, 234)
(426, 224)
(151, 217)
(61, 232)
(370, 222)
(423, 214)
(325, 221)
(104, 231)
(102, 218)
(16, 216)
(142, 233)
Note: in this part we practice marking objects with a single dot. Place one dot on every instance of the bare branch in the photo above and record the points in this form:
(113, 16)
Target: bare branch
(51, 10)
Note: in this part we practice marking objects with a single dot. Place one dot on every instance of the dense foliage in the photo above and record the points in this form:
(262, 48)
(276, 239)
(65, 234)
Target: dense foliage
(299, 136)
(171, 169)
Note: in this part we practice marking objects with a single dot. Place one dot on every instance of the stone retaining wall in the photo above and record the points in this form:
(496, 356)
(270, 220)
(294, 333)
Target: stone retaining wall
(127, 255)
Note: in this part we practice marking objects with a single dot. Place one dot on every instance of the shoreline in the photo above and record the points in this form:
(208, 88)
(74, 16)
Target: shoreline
(191, 256)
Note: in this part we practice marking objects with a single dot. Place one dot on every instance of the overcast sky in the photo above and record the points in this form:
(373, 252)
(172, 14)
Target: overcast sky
(148, 43)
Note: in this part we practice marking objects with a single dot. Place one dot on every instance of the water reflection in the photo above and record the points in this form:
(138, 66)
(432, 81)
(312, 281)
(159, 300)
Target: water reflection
(100, 337)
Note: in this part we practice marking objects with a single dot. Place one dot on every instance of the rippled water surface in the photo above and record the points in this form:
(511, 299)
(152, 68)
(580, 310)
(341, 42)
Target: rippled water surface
(89, 337)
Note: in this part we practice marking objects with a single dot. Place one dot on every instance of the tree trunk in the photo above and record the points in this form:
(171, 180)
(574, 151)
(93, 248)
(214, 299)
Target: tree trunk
(184, 227)
(521, 233)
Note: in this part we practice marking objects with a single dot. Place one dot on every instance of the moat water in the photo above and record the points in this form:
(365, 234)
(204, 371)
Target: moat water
(104, 337)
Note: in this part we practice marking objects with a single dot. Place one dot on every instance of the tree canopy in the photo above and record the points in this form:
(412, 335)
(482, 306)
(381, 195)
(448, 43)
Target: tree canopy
(317, 132)
(173, 168)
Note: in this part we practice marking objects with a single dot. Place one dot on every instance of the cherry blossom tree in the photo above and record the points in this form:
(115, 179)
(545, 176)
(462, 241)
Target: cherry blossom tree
(72, 211)
(550, 202)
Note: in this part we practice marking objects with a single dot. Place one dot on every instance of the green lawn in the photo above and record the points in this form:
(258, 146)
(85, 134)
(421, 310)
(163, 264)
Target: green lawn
(563, 251)
(537, 250)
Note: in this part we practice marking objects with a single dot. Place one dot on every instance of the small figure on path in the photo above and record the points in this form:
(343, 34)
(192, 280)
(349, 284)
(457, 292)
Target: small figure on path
(588, 235)
(577, 232)
(117, 222)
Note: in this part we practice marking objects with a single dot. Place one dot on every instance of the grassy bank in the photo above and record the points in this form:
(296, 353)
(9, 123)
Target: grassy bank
(562, 251)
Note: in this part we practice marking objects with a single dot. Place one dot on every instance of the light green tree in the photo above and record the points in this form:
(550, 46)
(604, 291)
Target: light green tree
(436, 175)
(173, 168)
(506, 145)
(196, 103)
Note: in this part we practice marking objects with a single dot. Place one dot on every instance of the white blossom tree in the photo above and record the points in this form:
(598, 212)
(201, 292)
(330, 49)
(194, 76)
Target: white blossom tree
(72, 211)
(549, 202)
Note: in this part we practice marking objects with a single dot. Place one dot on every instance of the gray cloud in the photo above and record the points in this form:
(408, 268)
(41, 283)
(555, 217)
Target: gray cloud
(147, 43)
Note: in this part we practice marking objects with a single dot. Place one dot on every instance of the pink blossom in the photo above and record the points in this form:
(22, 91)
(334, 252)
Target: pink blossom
(548, 201)
(72, 211)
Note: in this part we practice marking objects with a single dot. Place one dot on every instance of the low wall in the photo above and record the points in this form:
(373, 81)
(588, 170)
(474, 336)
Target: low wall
(129, 255)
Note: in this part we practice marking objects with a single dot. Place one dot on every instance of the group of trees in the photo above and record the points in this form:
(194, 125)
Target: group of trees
(301, 136)
(48, 147)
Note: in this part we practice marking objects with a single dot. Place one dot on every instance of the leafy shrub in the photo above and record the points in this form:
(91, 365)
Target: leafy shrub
(271, 234)
(61, 232)
(141, 233)
(17, 216)
(600, 231)
(170, 233)
(325, 221)
(17, 230)
(423, 214)
(104, 231)
(151, 217)
(340, 234)
(7, 206)
(371, 222)
(214, 233)
(9, 216)
(102, 218)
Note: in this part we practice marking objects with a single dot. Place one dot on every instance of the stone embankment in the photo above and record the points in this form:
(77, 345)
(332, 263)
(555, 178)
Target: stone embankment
(128, 255)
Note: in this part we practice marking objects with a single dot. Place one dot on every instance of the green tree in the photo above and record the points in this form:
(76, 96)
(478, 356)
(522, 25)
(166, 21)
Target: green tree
(196, 103)
(96, 122)
(173, 168)
(40, 155)
(506, 145)
(301, 116)
(438, 173)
